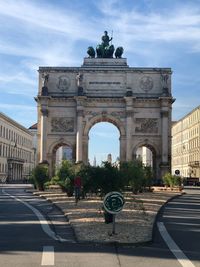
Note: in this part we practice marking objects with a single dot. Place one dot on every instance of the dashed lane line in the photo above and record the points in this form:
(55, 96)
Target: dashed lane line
(48, 256)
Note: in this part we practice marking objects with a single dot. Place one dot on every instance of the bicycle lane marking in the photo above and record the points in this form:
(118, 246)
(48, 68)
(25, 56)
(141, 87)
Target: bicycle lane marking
(178, 253)
(44, 224)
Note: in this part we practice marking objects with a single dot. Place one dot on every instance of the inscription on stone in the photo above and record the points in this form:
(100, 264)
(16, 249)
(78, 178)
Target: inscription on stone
(104, 83)
(62, 124)
(146, 125)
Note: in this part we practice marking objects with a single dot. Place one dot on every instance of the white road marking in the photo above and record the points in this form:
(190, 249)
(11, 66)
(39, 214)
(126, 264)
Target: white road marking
(178, 253)
(43, 221)
(47, 255)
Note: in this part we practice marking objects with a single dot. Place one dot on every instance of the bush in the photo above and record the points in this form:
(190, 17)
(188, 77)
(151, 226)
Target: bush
(134, 175)
(148, 176)
(111, 179)
(40, 176)
(171, 180)
(64, 177)
(102, 179)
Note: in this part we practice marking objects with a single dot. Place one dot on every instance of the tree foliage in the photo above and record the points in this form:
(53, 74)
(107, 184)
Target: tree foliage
(105, 178)
(40, 176)
(171, 180)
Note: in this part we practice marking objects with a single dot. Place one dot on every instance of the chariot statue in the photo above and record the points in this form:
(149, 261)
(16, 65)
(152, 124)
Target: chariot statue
(105, 49)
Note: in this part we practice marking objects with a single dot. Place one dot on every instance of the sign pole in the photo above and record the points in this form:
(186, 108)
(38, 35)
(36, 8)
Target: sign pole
(113, 230)
(113, 203)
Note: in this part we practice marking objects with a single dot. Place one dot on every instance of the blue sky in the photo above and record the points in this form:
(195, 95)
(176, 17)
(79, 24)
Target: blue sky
(154, 33)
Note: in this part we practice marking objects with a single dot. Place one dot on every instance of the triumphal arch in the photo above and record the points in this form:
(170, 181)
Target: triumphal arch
(104, 88)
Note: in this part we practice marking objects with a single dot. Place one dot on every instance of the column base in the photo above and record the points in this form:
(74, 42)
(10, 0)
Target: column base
(164, 168)
(44, 162)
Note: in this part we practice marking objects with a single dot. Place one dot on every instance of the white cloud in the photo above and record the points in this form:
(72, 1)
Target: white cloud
(24, 114)
(48, 17)
(17, 107)
(18, 77)
(109, 135)
(39, 34)
(180, 24)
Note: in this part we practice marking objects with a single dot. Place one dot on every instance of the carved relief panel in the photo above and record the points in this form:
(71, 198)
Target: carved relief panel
(146, 125)
(62, 124)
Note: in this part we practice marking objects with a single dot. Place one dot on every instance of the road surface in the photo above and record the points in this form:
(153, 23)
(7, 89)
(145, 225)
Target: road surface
(33, 232)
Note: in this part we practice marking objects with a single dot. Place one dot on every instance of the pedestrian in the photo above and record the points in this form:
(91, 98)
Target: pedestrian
(77, 188)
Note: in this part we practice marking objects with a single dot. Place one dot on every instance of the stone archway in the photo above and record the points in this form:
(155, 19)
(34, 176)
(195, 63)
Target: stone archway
(52, 154)
(137, 101)
(156, 156)
(103, 118)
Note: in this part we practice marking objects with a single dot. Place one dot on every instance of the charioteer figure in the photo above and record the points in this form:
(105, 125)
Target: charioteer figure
(105, 39)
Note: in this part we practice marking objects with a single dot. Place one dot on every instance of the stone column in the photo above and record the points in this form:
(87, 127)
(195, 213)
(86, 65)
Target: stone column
(21, 170)
(122, 148)
(79, 136)
(43, 137)
(165, 141)
(129, 127)
(165, 132)
(85, 149)
(79, 128)
(16, 174)
(11, 171)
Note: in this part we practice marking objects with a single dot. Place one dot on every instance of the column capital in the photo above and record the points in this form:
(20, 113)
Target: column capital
(128, 100)
(44, 112)
(80, 100)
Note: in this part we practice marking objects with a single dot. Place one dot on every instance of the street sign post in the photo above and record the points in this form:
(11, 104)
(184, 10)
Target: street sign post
(113, 203)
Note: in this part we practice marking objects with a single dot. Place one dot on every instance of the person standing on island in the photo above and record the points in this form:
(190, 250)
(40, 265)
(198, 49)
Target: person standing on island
(77, 188)
(105, 39)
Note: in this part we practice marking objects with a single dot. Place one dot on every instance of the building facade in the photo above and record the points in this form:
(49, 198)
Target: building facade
(16, 150)
(33, 130)
(186, 145)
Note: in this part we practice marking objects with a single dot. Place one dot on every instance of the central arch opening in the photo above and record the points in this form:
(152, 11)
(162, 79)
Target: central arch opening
(103, 143)
(145, 155)
(60, 152)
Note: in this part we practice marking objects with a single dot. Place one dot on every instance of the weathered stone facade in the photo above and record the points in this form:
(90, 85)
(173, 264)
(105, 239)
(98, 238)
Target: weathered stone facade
(137, 101)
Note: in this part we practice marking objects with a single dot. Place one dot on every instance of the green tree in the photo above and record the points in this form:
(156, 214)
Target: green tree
(40, 176)
(148, 176)
(101, 179)
(64, 177)
(111, 179)
(134, 175)
(66, 170)
(171, 180)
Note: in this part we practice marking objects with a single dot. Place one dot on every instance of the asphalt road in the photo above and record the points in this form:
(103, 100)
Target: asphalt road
(33, 232)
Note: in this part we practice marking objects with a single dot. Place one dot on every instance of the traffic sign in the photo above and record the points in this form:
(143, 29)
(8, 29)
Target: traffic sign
(113, 202)
(177, 172)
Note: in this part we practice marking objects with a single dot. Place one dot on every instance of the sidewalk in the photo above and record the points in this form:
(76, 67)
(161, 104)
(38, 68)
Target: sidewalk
(134, 224)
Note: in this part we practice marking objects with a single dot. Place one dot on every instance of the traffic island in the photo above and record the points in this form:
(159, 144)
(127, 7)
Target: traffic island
(134, 224)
